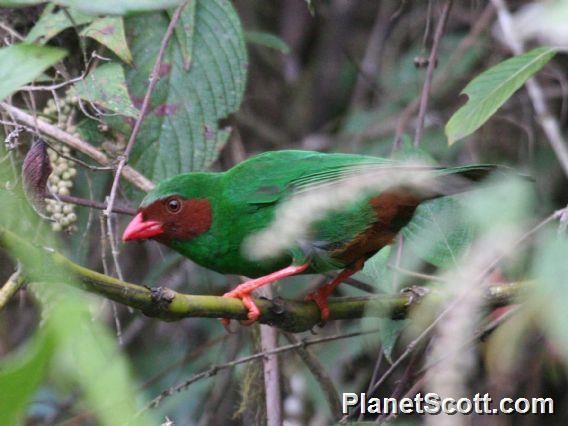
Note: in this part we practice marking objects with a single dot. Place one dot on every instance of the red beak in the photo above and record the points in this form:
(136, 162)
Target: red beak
(139, 229)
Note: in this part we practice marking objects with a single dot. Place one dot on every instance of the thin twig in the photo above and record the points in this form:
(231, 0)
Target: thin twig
(154, 77)
(90, 203)
(375, 375)
(370, 65)
(186, 359)
(407, 351)
(74, 142)
(480, 335)
(11, 31)
(552, 217)
(547, 121)
(78, 161)
(319, 373)
(432, 60)
(441, 78)
(10, 288)
(216, 368)
(218, 394)
(88, 67)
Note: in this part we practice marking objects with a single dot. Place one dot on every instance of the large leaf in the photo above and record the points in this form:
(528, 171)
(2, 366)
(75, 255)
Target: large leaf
(20, 376)
(102, 7)
(436, 233)
(21, 63)
(106, 87)
(52, 23)
(184, 32)
(181, 131)
(491, 89)
(109, 31)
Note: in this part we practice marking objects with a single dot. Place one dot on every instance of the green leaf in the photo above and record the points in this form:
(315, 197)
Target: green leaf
(550, 297)
(21, 63)
(376, 269)
(436, 234)
(181, 131)
(21, 374)
(491, 89)
(267, 40)
(519, 195)
(184, 32)
(94, 361)
(19, 3)
(106, 86)
(109, 32)
(52, 23)
(122, 7)
(103, 7)
(91, 357)
(389, 333)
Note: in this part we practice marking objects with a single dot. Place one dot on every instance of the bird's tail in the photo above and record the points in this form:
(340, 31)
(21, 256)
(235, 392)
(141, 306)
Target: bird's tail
(455, 180)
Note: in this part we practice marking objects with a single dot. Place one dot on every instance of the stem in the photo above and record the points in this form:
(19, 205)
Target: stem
(10, 288)
(91, 203)
(154, 77)
(166, 304)
(430, 71)
(74, 142)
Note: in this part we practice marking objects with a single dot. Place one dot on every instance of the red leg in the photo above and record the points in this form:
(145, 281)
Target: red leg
(321, 294)
(243, 291)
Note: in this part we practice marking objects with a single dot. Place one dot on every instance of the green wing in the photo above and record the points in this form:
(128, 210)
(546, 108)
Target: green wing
(272, 176)
(264, 181)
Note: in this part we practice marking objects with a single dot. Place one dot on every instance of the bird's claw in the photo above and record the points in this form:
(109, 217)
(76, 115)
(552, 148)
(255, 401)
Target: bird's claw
(253, 311)
(320, 297)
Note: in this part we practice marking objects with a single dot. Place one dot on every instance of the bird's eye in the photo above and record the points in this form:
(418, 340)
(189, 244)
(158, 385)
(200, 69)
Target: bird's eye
(174, 205)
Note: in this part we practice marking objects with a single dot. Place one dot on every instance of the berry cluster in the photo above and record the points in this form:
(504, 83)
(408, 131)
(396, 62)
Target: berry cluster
(61, 179)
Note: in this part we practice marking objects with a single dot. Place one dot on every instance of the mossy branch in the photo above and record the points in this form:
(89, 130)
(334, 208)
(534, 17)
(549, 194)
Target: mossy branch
(169, 305)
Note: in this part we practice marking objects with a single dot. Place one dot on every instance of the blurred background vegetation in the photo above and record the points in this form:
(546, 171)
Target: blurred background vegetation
(244, 77)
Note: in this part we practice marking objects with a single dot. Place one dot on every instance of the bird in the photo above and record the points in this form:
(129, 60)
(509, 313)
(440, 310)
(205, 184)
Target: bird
(208, 216)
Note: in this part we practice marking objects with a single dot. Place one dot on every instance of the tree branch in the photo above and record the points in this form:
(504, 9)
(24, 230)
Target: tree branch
(169, 305)
(10, 288)
(74, 142)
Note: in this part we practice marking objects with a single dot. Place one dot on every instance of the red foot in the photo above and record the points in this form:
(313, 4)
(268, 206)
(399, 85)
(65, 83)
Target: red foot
(244, 290)
(320, 297)
(321, 294)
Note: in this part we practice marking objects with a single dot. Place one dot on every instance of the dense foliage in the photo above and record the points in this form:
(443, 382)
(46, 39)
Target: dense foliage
(162, 87)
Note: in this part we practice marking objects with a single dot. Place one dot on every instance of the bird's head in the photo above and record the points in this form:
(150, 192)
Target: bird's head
(174, 210)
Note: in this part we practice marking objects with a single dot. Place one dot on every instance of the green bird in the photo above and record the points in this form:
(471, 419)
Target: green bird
(207, 216)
